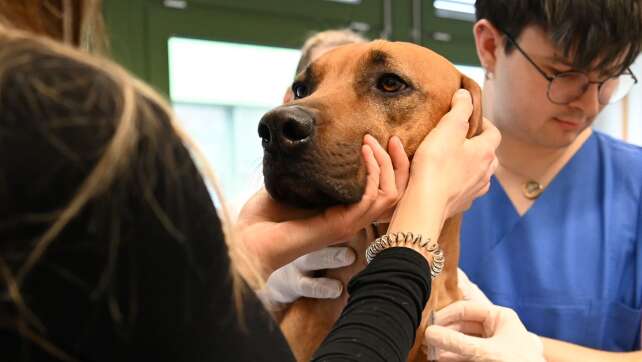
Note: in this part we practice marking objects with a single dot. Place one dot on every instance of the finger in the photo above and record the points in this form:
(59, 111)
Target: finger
(470, 328)
(355, 212)
(319, 288)
(331, 257)
(385, 217)
(490, 135)
(400, 163)
(373, 172)
(462, 311)
(490, 171)
(445, 356)
(352, 218)
(456, 121)
(470, 290)
(481, 192)
(387, 175)
(452, 341)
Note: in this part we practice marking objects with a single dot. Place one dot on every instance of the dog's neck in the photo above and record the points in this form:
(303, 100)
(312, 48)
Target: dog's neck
(444, 287)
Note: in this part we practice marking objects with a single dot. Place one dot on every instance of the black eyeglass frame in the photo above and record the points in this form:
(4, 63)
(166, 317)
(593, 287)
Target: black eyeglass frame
(550, 79)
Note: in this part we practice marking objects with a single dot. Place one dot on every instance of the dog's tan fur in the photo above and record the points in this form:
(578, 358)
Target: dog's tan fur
(345, 111)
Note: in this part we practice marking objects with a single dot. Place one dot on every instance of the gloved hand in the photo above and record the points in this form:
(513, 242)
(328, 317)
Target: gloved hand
(470, 290)
(292, 281)
(472, 331)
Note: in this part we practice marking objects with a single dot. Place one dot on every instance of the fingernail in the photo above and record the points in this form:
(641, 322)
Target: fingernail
(399, 141)
(369, 152)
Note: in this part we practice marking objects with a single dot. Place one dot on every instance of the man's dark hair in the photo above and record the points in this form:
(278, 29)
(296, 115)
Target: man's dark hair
(604, 35)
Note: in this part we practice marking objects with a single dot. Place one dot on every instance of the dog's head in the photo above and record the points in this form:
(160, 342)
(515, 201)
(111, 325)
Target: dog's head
(312, 144)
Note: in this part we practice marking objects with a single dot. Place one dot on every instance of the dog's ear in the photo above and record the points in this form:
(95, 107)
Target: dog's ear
(475, 92)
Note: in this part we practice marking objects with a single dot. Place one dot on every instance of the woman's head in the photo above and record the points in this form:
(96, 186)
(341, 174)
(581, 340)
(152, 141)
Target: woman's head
(78, 23)
(80, 137)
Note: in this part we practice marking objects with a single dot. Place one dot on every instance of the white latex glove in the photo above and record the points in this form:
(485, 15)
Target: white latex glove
(472, 331)
(292, 281)
(470, 290)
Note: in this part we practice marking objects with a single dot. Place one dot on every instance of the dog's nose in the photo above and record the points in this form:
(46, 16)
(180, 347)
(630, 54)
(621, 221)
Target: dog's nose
(287, 128)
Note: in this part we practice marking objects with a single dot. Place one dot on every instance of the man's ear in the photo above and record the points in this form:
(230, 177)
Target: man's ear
(475, 120)
(488, 41)
(288, 96)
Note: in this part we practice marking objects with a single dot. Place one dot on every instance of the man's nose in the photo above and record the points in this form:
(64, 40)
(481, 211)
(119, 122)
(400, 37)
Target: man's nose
(589, 101)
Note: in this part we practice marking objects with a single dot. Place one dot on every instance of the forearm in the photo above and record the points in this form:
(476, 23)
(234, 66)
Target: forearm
(422, 210)
(559, 351)
(383, 312)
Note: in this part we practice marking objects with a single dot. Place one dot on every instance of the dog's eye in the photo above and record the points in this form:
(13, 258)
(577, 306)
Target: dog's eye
(299, 90)
(391, 83)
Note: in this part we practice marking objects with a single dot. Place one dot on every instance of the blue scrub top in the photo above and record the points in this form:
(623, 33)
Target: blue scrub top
(571, 266)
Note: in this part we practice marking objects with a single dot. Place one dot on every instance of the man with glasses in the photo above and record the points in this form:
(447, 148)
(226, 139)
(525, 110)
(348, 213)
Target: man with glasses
(558, 238)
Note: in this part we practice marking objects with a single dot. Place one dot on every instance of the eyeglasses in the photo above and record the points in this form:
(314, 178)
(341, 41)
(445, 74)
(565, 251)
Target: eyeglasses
(565, 87)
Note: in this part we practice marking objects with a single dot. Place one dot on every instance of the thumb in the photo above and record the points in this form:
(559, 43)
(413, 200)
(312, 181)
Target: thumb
(452, 341)
(455, 122)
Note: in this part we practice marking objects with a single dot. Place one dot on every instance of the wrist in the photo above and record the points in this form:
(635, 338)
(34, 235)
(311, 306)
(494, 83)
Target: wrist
(426, 247)
(421, 210)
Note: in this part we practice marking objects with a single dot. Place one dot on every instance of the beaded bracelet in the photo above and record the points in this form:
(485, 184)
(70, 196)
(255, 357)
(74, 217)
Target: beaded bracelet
(408, 239)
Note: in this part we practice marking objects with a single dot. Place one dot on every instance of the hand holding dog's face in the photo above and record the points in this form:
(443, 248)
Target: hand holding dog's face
(312, 145)
(276, 233)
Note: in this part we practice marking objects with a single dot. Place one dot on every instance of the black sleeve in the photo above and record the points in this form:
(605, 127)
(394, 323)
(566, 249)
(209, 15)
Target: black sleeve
(383, 312)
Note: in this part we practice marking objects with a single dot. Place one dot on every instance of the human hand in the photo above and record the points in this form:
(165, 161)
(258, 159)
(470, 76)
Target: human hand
(450, 164)
(276, 234)
(471, 331)
(448, 172)
(292, 281)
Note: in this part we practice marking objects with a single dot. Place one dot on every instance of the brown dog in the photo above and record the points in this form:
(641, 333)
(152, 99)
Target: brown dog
(312, 154)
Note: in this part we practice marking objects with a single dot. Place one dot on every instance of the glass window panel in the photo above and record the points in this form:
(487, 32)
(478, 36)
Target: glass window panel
(455, 9)
(622, 119)
(220, 91)
(213, 72)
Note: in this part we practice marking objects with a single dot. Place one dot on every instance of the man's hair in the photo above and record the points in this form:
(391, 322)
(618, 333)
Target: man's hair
(328, 38)
(604, 35)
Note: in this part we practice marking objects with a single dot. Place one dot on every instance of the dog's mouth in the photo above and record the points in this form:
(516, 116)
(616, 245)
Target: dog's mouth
(308, 182)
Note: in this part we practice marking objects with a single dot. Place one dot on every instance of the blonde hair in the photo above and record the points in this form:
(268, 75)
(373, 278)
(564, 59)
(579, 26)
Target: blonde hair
(78, 23)
(327, 38)
(135, 117)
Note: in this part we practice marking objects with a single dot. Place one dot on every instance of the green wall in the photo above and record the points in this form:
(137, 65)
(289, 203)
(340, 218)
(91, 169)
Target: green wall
(139, 29)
